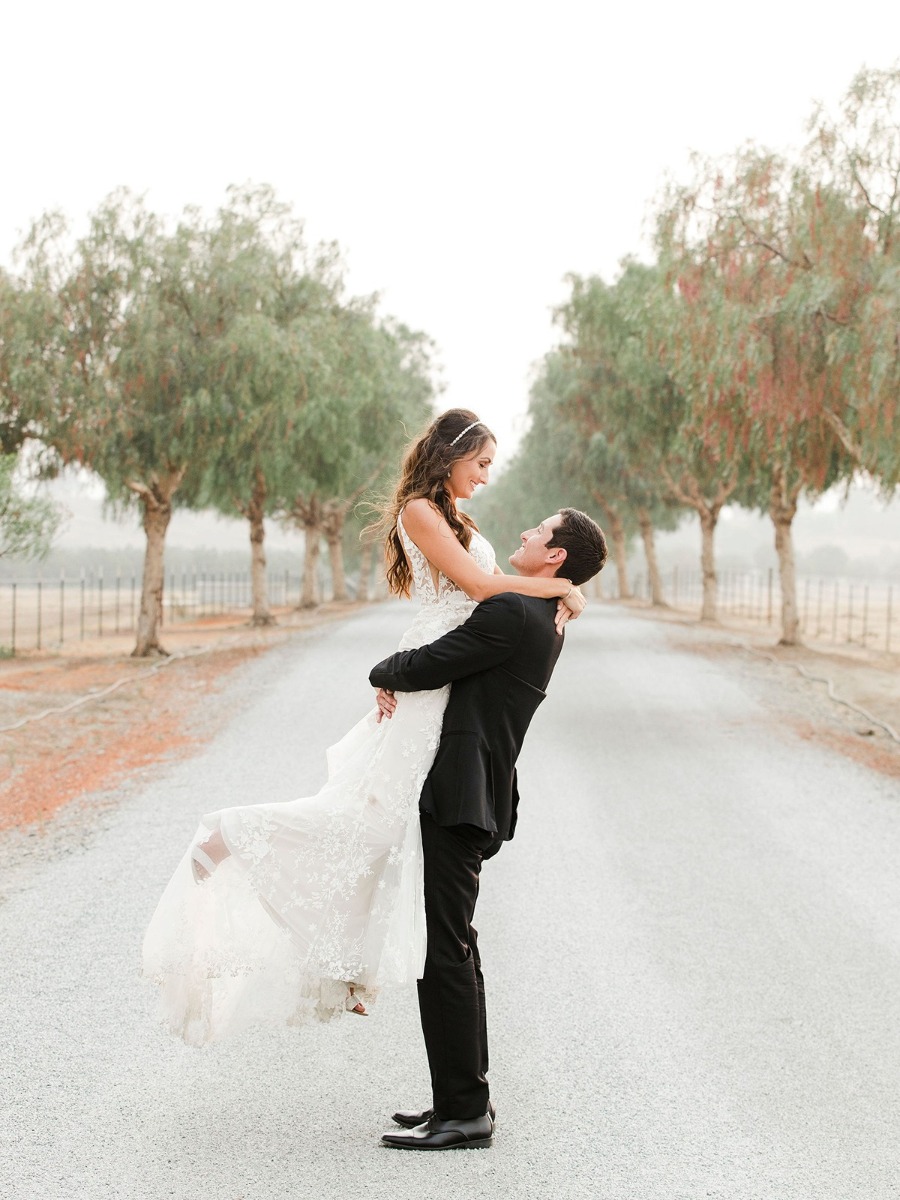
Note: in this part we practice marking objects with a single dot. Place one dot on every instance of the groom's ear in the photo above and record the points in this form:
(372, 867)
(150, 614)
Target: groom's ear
(557, 555)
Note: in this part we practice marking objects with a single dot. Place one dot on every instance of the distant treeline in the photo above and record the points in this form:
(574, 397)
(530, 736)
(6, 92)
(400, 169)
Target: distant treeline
(756, 360)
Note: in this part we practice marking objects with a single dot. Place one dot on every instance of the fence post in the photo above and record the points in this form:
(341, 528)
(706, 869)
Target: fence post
(81, 622)
(849, 612)
(865, 628)
(887, 636)
(819, 607)
(834, 611)
(769, 584)
(40, 597)
(62, 605)
(100, 603)
(805, 625)
(118, 592)
(13, 629)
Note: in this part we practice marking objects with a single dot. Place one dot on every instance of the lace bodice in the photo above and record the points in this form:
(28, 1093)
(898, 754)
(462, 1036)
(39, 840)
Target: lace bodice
(445, 606)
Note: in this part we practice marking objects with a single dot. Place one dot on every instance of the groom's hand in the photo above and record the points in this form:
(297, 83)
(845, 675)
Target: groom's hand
(386, 702)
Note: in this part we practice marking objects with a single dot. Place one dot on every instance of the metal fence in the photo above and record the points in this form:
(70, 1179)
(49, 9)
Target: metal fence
(841, 611)
(47, 614)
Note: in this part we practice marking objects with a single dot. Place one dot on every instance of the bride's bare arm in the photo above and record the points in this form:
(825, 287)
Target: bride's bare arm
(437, 541)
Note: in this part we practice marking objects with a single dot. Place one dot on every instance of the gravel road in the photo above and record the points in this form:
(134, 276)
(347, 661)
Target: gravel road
(691, 951)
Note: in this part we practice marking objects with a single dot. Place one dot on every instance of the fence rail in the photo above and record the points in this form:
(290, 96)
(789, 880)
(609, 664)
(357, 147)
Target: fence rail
(46, 614)
(841, 611)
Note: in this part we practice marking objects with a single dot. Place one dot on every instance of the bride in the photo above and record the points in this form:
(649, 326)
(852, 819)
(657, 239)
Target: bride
(305, 909)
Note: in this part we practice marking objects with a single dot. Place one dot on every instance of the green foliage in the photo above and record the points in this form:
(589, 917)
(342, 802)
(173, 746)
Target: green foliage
(548, 472)
(27, 524)
(622, 396)
(855, 156)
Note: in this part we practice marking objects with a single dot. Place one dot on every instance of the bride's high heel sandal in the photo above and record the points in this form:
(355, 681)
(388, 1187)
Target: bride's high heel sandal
(353, 1005)
(202, 866)
(206, 856)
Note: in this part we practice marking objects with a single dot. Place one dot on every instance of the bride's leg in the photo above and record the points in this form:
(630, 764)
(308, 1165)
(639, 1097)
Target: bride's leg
(206, 856)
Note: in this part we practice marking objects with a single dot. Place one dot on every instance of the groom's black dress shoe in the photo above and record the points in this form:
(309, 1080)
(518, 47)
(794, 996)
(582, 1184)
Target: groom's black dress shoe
(409, 1120)
(435, 1134)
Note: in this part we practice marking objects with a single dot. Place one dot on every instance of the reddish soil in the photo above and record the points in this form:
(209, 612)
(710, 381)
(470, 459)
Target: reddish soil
(154, 714)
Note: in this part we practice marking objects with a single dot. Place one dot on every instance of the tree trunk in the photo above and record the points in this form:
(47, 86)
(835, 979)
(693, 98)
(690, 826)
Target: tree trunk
(365, 570)
(619, 543)
(306, 514)
(259, 584)
(333, 526)
(782, 510)
(709, 518)
(657, 599)
(312, 544)
(338, 575)
(156, 502)
(689, 492)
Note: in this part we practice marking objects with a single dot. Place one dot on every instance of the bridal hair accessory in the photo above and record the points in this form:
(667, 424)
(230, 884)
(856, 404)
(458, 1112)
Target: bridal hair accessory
(464, 432)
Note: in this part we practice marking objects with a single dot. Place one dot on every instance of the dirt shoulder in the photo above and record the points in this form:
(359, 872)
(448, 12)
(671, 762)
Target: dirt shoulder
(845, 698)
(74, 726)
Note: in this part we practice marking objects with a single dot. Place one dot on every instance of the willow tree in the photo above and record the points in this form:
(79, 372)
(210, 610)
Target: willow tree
(24, 385)
(549, 470)
(132, 360)
(269, 288)
(762, 270)
(855, 154)
(625, 404)
(27, 522)
(368, 381)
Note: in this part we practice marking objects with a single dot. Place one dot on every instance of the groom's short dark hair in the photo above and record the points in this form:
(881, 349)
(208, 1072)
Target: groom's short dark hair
(584, 544)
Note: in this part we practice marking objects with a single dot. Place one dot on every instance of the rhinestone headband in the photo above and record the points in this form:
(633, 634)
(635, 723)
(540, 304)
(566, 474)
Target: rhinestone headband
(464, 432)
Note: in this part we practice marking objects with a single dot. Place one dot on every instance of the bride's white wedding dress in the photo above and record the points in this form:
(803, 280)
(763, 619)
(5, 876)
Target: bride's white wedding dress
(318, 892)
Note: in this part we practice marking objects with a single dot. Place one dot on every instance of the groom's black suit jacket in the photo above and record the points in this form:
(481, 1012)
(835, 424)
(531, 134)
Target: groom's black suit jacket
(499, 663)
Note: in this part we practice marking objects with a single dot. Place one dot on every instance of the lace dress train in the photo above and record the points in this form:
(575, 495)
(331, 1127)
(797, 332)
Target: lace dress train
(316, 893)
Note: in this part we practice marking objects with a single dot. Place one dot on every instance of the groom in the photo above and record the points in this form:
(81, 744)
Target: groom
(499, 663)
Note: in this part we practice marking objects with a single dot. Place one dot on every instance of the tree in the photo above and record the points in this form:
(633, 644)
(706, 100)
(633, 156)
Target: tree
(548, 471)
(131, 395)
(274, 291)
(856, 155)
(21, 377)
(625, 404)
(27, 523)
(369, 382)
(759, 271)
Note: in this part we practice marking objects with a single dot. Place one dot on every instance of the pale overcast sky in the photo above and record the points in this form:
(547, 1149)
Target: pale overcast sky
(465, 156)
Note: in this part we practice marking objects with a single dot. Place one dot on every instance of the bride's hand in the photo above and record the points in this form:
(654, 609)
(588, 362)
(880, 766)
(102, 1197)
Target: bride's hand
(569, 607)
(386, 702)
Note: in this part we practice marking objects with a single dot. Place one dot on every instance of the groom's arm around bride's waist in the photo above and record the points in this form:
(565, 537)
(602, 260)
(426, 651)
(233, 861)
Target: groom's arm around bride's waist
(485, 640)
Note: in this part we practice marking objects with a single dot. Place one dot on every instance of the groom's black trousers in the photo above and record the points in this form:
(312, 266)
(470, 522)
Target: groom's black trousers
(451, 990)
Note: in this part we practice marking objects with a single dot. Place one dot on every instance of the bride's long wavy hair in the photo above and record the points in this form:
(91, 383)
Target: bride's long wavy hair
(423, 473)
